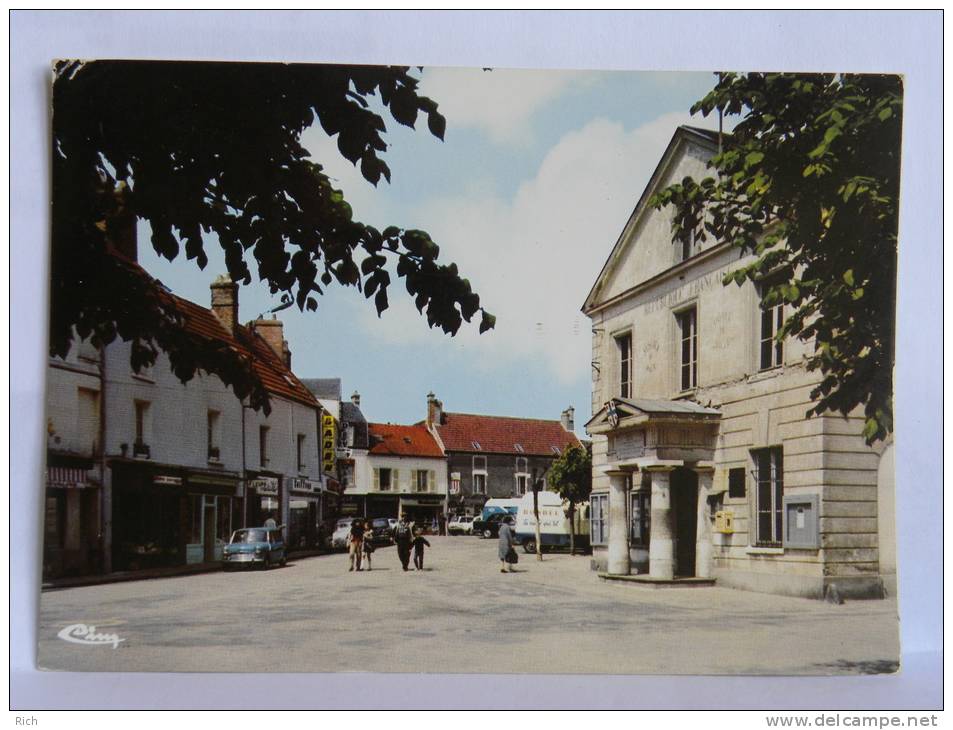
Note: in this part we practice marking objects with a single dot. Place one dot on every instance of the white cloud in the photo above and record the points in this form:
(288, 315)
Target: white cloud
(534, 258)
(500, 102)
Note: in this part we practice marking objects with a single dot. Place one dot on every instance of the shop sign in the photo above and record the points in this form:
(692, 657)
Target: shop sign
(328, 442)
(455, 482)
(264, 485)
(66, 477)
(167, 480)
(297, 484)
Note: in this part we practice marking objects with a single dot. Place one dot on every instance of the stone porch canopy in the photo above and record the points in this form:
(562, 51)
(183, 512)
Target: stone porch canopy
(659, 436)
(642, 432)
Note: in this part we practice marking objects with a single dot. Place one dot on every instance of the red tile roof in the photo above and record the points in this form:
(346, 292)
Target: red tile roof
(268, 366)
(402, 441)
(503, 435)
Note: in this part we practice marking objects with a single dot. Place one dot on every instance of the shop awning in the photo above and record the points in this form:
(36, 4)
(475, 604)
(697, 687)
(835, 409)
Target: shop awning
(421, 502)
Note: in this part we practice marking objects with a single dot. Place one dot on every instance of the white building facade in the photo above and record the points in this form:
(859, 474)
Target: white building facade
(704, 464)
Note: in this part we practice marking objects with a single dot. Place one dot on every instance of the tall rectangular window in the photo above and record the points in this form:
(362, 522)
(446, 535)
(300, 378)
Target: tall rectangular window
(769, 477)
(263, 445)
(302, 466)
(772, 349)
(688, 344)
(479, 483)
(140, 447)
(87, 421)
(599, 519)
(422, 480)
(383, 479)
(624, 343)
(213, 435)
(736, 483)
(640, 514)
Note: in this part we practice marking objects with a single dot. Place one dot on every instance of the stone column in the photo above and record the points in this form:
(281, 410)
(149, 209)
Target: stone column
(619, 563)
(662, 538)
(703, 548)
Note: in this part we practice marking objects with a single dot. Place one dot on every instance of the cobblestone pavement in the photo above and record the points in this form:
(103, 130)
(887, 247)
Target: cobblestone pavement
(459, 615)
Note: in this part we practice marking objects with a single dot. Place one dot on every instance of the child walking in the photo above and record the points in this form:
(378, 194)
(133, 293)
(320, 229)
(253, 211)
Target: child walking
(368, 546)
(418, 544)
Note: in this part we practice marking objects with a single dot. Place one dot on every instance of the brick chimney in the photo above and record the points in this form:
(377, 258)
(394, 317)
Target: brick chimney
(567, 419)
(225, 301)
(271, 331)
(286, 353)
(356, 399)
(434, 410)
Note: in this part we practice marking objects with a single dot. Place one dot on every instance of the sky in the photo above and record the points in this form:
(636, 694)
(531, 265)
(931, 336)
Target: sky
(528, 192)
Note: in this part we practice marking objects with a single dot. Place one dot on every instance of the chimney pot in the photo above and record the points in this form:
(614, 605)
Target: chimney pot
(272, 332)
(225, 301)
(434, 410)
(356, 398)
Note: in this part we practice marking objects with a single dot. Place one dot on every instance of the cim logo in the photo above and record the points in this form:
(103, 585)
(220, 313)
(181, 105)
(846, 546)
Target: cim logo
(87, 635)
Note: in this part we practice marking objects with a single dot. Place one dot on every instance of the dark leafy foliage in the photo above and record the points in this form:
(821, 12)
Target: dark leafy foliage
(808, 182)
(199, 148)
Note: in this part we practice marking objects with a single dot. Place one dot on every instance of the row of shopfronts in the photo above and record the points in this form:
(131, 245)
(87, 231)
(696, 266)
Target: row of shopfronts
(421, 508)
(151, 515)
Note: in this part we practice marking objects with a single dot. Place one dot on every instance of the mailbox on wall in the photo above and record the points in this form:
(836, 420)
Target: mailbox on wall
(801, 521)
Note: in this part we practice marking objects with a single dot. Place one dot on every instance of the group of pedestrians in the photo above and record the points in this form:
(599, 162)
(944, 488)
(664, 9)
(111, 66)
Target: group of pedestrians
(360, 545)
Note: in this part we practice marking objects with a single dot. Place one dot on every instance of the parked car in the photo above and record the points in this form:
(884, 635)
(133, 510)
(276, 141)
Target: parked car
(249, 546)
(381, 531)
(460, 525)
(490, 527)
(341, 531)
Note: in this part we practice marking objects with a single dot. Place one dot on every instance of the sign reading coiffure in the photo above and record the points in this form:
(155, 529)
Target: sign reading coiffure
(264, 485)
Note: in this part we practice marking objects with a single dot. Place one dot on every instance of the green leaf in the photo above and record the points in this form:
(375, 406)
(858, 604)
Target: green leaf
(487, 322)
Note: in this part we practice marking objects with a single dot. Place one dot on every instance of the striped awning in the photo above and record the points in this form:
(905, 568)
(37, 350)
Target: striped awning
(67, 477)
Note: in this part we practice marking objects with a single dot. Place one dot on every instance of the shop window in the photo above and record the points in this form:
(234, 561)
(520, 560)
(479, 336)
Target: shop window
(224, 514)
(688, 345)
(624, 346)
(598, 519)
(769, 478)
(195, 519)
(736, 483)
(772, 349)
(640, 516)
(302, 466)
(263, 445)
(213, 437)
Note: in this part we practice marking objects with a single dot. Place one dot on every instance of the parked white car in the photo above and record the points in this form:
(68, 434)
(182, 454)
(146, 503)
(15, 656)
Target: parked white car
(460, 525)
(341, 531)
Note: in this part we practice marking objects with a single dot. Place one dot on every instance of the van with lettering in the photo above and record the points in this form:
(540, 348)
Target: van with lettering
(553, 523)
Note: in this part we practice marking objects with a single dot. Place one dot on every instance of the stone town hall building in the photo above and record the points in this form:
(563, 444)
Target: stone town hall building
(704, 463)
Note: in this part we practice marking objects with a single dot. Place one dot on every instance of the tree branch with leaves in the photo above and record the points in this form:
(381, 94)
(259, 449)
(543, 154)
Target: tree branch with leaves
(808, 183)
(215, 148)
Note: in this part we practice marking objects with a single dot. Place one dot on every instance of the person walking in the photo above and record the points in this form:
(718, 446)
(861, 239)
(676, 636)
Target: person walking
(403, 536)
(418, 544)
(368, 545)
(355, 545)
(505, 546)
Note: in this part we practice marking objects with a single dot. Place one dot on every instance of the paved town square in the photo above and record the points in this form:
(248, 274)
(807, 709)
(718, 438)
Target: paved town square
(459, 615)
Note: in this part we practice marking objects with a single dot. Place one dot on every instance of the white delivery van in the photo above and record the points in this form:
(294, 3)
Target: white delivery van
(493, 506)
(553, 523)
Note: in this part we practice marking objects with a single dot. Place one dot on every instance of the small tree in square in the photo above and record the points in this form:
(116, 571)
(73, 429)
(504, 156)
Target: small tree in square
(571, 478)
